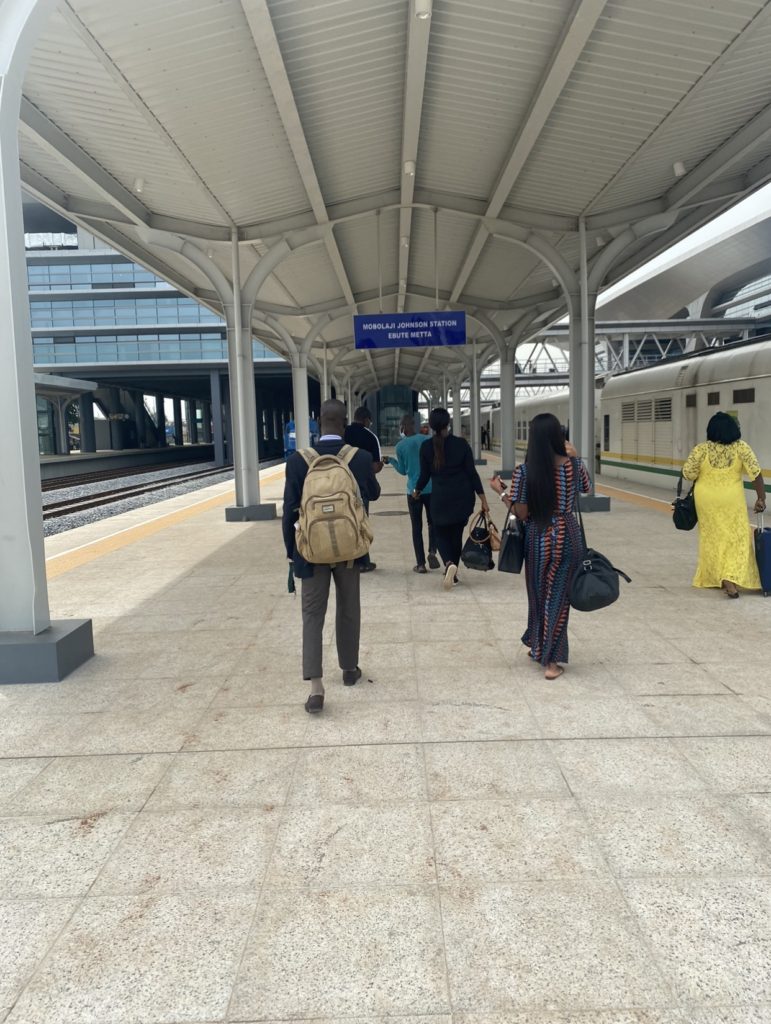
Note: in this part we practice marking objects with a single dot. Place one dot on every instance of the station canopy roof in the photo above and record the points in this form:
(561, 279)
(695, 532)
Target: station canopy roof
(427, 148)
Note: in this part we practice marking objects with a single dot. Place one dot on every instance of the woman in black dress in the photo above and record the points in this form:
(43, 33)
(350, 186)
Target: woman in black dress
(447, 461)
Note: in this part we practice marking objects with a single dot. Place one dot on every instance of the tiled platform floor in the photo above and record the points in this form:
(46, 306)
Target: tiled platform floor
(458, 840)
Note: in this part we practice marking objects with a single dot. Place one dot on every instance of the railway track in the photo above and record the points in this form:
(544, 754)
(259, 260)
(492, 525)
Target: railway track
(69, 506)
(56, 483)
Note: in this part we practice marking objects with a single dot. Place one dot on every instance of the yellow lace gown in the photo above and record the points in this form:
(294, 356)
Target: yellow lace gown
(726, 550)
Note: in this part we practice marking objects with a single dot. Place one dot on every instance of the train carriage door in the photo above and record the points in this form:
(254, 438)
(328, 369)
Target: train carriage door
(690, 423)
(663, 439)
(628, 431)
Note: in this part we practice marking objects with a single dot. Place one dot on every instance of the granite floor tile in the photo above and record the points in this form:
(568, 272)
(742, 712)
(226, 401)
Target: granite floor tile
(359, 775)
(16, 774)
(470, 719)
(730, 764)
(653, 679)
(337, 844)
(243, 691)
(673, 834)
(510, 840)
(652, 765)
(492, 770)
(710, 936)
(548, 945)
(155, 731)
(249, 728)
(347, 722)
(756, 811)
(191, 850)
(151, 959)
(87, 785)
(54, 856)
(705, 716)
(379, 952)
(28, 928)
(668, 1016)
(23, 735)
(225, 778)
(602, 718)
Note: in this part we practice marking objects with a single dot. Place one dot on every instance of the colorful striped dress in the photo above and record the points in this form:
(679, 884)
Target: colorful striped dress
(552, 554)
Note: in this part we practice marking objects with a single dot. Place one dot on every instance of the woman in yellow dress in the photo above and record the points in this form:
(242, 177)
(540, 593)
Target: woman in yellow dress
(726, 553)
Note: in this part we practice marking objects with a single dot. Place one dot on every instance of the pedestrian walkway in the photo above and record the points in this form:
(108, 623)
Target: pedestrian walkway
(453, 840)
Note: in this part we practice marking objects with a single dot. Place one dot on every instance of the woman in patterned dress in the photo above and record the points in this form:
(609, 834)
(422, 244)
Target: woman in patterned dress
(726, 555)
(543, 493)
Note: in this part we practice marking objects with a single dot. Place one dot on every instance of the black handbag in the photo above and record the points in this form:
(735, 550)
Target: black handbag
(512, 554)
(595, 584)
(684, 509)
(477, 552)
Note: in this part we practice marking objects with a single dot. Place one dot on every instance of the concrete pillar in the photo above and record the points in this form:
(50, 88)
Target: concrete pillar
(116, 413)
(457, 409)
(206, 422)
(160, 413)
(179, 437)
(86, 418)
(476, 424)
(508, 421)
(62, 429)
(140, 419)
(191, 408)
(217, 430)
(32, 648)
(301, 404)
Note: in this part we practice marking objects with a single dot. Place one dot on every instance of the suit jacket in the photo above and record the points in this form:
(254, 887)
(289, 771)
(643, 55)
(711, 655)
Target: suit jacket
(453, 486)
(296, 471)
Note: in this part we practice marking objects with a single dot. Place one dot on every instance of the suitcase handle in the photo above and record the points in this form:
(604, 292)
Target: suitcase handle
(760, 521)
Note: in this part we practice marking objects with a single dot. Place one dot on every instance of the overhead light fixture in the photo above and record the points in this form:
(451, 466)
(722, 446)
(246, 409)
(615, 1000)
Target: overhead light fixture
(409, 168)
(139, 185)
(402, 286)
(422, 9)
(405, 242)
(600, 242)
(210, 253)
(679, 168)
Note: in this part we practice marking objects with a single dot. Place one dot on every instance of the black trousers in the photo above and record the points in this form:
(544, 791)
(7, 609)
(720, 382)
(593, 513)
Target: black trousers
(449, 541)
(417, 506)
(315, 597)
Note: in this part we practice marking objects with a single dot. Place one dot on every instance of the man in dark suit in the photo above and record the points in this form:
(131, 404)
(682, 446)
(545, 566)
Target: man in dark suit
(316, 579)
(359, 435)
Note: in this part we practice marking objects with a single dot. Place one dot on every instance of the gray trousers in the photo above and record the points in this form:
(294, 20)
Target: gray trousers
(315, 597)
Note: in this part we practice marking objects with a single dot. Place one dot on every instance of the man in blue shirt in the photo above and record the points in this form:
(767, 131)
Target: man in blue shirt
(407, 462)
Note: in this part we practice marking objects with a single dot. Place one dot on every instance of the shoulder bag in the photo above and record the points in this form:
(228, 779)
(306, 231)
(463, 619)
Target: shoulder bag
(512, 554)
(684, 509)
(595, 584)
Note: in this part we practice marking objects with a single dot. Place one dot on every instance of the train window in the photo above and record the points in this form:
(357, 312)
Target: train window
(744, 395)
(663, 409)
(606, 432)
(713, 398)
(690, 401)
(645, 410)
(627, 412)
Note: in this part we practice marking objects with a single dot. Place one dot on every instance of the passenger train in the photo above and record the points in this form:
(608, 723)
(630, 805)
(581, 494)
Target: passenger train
(647, 420)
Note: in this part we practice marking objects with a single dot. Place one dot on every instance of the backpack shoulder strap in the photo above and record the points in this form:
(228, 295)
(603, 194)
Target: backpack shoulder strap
(309, 455)
(347, 453)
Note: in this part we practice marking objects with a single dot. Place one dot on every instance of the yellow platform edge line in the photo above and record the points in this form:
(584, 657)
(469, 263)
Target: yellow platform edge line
(65, 561)
(659, 504)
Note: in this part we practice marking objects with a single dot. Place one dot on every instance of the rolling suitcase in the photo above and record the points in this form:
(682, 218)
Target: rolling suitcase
(763, 554)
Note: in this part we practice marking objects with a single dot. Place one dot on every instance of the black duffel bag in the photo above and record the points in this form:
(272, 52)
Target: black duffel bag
(477, 552)
(512, 554)
(595, 584)
(684, 509)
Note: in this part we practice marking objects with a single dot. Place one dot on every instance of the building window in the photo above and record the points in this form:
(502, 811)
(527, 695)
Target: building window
(690, 401)
(744, 395)
(713, 398)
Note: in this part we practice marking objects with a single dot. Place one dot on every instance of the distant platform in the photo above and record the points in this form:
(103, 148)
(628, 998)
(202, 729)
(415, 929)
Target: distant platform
(54, 466)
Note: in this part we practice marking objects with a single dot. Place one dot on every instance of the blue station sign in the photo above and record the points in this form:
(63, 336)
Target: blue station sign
(409, 330)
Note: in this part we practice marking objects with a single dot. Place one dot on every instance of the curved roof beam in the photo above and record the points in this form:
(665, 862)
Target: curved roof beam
(578, 27)
(415, 80)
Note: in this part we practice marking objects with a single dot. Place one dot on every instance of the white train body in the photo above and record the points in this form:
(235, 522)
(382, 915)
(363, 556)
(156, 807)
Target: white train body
(648, 420)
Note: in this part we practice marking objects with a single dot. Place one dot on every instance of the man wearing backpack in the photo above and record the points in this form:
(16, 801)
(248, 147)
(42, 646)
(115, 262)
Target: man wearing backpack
(327, 535)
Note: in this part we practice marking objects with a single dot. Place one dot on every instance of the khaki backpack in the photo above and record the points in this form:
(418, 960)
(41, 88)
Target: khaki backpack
(333, 526)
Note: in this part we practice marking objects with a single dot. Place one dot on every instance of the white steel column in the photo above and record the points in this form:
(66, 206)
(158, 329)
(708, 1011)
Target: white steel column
(301, 405)
(457, 409)
(32, 648)
(476, 426)
(586, 384)
(23, 588)
(575, 408)
(243, 403)
(325, 393)
(508, 427)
